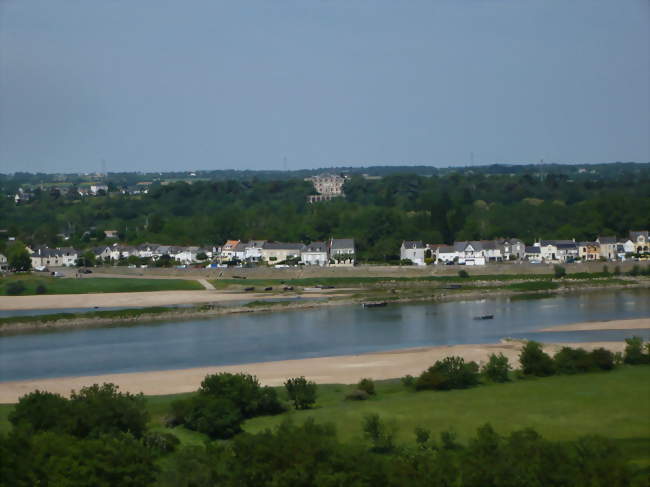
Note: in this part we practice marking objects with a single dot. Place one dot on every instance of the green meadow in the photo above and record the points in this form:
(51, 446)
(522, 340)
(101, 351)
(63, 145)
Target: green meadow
(60, 285)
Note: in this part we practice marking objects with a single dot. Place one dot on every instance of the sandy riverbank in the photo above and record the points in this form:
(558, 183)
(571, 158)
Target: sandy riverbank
(135, 299)
(345, 369)
(631, 324)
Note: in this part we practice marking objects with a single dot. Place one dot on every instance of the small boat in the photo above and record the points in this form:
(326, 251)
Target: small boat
(484, 317)
(374, 304)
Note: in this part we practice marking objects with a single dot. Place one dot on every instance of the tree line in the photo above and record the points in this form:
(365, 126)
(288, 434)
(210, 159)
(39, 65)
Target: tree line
(378, 213)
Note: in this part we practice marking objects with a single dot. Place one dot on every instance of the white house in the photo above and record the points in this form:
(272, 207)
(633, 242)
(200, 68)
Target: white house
(641, 241)
(533, 254)
(413, 251)
(186, 255)
(342, 252)
(64, 256)
(228, 250)
(558, 250)
(512, 248)
(3, 262)
(253, 251)
(315, 254)
(470, 252)
(276, 252)
(444, 253)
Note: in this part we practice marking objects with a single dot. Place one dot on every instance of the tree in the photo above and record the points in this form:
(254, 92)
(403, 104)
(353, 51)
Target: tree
(497, 368)
(559, 271)
(449, 373)
(534, 361)
(101, 409)
(18, 258)
(301, 392)
(42, 411)
(634, 351)
(87, 259)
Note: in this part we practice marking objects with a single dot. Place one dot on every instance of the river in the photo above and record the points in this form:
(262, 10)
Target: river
(259, 337)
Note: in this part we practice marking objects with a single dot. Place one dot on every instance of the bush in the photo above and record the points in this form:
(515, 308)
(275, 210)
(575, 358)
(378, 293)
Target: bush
(497, 368)
(42, 411)
(534, 361)
(302, 392)
(160, 443)
(357, 395)
(216, 417)
(463, 273)
(634, 351)
(41, 289)
(102, 409)
(602, 359)
(15, 288)
(573, 361)
(408, 380)
(405, 262)
(244, 391)
(449, 373)
(559, 271)
(367, 385)
(379, 433)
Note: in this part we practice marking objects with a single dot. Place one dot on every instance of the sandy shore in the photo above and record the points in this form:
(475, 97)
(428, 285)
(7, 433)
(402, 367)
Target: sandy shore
(631, 324)
(345, 369)
(136, 299)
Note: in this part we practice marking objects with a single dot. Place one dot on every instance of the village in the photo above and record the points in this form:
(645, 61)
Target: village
(341, 252)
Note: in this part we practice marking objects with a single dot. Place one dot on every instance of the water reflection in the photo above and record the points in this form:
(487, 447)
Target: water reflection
(320, 332)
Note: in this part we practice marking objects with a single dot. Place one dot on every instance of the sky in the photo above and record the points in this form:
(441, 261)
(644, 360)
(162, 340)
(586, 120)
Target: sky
(164, 85)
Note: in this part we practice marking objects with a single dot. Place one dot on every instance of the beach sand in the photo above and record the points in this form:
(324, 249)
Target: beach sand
(345, 369)
(631, 324)
(135, 299)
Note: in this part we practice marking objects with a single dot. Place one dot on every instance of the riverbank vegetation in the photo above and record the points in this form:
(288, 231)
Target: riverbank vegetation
(32, 284)
(595, 425)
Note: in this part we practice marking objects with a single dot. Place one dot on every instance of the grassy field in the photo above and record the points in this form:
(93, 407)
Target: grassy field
(612, 404)
(371, 281)
(117, 314)
(58, 285)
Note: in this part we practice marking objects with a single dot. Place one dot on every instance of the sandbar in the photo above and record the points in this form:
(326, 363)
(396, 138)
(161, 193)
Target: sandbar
(630, 324)
(346, 369)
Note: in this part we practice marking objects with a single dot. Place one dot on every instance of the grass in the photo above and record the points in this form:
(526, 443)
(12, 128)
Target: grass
(59, 285)
(369, 281)
(612, 404)
(117, 314)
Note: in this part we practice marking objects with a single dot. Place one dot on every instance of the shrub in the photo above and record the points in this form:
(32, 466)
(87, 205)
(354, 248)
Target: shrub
(634, 351)
(160, 442)
(408, 380)
(42, 411)
(216, 417)
(357, 395)
(463, 273)
(449, 373)
(534, 361)
(244, 391)
(573, 361)
(559, 271)
(367, 385)
(497, 367)
(15, 288)
(602, 359)
(100, 409)
(302, 392)
(41, 289)
(381, 435)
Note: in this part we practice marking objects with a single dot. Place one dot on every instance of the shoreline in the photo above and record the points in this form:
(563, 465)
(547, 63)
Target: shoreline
(346, 369)
(626, 324)
(171, 298)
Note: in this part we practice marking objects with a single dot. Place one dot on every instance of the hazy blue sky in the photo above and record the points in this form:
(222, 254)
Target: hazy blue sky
(193, 84)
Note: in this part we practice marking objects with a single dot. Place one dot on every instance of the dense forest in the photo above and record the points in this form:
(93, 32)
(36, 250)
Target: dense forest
(378, 212)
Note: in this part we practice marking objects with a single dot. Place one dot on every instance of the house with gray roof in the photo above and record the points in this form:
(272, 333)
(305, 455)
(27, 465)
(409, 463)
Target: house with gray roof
(342, 252)
(315, 253)
(414, 251)
(276, 252)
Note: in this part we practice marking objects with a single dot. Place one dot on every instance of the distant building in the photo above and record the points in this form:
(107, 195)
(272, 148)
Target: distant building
(95, 189)
(641, 241)
(276, 252)
(3, 262)
(342, 252)
(413, 251)
(327, 186)
(59, 257)
(111, 234)
(315, 254)
(608, 247)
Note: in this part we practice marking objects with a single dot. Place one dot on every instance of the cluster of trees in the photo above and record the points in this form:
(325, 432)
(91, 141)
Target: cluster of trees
(378, 213)
(225, 400)
(455, 373)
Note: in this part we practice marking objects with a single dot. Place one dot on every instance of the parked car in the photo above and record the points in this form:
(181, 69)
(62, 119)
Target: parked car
(85, 271)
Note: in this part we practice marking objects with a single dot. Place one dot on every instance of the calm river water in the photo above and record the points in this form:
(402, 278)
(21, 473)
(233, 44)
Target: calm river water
(343, 330)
